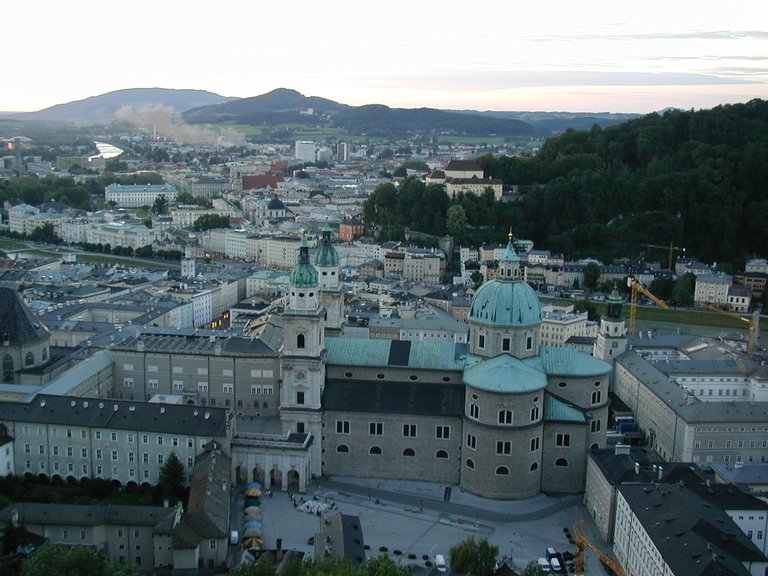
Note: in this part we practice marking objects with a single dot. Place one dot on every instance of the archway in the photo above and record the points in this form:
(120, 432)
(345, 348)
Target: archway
(276, 478)
(258, 474)
(293, 480)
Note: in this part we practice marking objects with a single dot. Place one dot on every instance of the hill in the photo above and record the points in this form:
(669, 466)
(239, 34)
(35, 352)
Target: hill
(101, 109)
(698, 179)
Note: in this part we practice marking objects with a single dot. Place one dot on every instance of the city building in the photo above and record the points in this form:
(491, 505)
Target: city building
(138, 195)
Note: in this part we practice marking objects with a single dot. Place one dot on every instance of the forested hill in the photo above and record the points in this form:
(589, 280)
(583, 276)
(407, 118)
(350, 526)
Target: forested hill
(698, 179)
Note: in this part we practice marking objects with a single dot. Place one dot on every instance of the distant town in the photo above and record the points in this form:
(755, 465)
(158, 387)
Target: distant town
(232, 308)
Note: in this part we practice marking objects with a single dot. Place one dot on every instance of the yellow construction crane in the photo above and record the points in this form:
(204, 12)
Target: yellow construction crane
(752, 324)
(637, 288)
(583, 542)
(672, 249)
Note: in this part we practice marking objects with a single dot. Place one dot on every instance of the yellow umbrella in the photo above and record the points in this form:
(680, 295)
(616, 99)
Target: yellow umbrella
(253, 510)
(253, 543)
(253, 492)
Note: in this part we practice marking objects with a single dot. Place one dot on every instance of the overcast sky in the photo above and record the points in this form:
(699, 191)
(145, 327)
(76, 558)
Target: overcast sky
(615, 56)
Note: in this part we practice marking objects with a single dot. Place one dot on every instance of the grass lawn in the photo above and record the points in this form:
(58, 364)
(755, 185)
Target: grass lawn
(12, 245)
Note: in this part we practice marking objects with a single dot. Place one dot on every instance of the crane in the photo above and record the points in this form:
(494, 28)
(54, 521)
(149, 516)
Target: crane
(672, 249)
(583, 542)
(637, 287)
(752, 324)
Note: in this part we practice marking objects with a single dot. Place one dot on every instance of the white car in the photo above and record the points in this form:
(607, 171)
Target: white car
(440, 563)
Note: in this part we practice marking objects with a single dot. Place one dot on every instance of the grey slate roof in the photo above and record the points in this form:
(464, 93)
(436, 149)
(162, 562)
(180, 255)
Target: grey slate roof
(118, 415)
(696, 411)
(394, 397)
(683, 528)
(16, 321)
(87, 515)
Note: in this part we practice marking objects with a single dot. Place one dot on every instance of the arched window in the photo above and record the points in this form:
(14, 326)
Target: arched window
(534, 467)
(441, 454)
(474, 411)
(596, 396)
(561, 463)
(45, 354)
(29, 359)
(529, 343)
(470, 463)
(534, 413)
(342, 448)
(502, 470)
(594, 446)
(409, 452)
(7, 368)
(505, 416)
(299, 340)
(375, 450)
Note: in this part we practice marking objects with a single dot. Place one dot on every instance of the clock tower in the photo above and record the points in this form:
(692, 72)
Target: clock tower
(303, 358)
(612, 337)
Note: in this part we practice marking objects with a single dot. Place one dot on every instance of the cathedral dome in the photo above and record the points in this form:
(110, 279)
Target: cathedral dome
(507, 301)
(502, 303)
(326, 255)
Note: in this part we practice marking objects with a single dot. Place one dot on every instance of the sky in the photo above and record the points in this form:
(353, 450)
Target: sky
(588, 56)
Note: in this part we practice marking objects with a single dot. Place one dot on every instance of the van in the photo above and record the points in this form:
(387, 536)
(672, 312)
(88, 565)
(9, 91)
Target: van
(543, 565)
(440, 563)
(234, 537)
(551, 553)
(556, 566)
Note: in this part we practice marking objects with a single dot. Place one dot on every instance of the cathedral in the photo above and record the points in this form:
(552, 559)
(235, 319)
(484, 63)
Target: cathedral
(502, 416)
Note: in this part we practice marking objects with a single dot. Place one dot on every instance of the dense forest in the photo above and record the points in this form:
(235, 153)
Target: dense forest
(697, 179)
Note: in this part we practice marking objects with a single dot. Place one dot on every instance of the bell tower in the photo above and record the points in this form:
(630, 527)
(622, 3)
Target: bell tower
(612, 338)
(303, 357)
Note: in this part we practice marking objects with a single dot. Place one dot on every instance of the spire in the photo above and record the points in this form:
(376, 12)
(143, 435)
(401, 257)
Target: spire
(304, 275)
(509, 263)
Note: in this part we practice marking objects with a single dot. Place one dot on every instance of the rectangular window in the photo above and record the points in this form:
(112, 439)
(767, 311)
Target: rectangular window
(160, 459)
(159, 440)
(202, 371)
(114, 455)
(563, 440)
(503, 447)
(443, 432)
(299, 397)
(595, 425)
(84, 452)
(342, 426)
(481, 341)
(98, 435)
(151, 368)
(472, 441)
(409, 430)
(178, 385)
(375, 428)
(144, 439)
(506, 344)
(70, 451)
(178, 370)
(228, 388)
(153, 383)
(128, 382)
(534, 444)
(113, 436)
(226, 372)
(98, 454)
(202, 386)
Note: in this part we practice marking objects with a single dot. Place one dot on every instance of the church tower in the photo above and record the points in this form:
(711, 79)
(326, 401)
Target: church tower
(329, 274)
(303, 357)
(612, 337)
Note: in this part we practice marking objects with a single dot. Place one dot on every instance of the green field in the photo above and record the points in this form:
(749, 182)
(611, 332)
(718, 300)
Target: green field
(12, 245)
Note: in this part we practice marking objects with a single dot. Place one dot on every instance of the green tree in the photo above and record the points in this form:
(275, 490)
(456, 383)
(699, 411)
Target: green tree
(457, 220)
(210, 221)
(172, 476)
(44, 234)
(474, 557)
(533, 569)
(160, 205)
(477, 278)
(591, 276)
(76, 561)
(260, 568)
(382, 566)
(684, 289)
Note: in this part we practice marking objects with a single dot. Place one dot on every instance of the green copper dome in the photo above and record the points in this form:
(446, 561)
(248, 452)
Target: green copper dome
(304, 275)
(504, 303)
(326, 255)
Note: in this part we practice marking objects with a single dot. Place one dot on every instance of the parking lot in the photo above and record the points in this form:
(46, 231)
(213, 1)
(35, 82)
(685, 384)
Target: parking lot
(417, 518)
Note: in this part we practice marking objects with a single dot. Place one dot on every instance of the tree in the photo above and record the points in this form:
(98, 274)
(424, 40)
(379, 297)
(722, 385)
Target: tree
(684, 289)
(382, 566)
(210, 221)
(533, 569)
(172, 477)
(76, 561)
(160, 205)
(260, 568)
(477, 278)
(474, 557)
(456, 220)
(591, 275)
